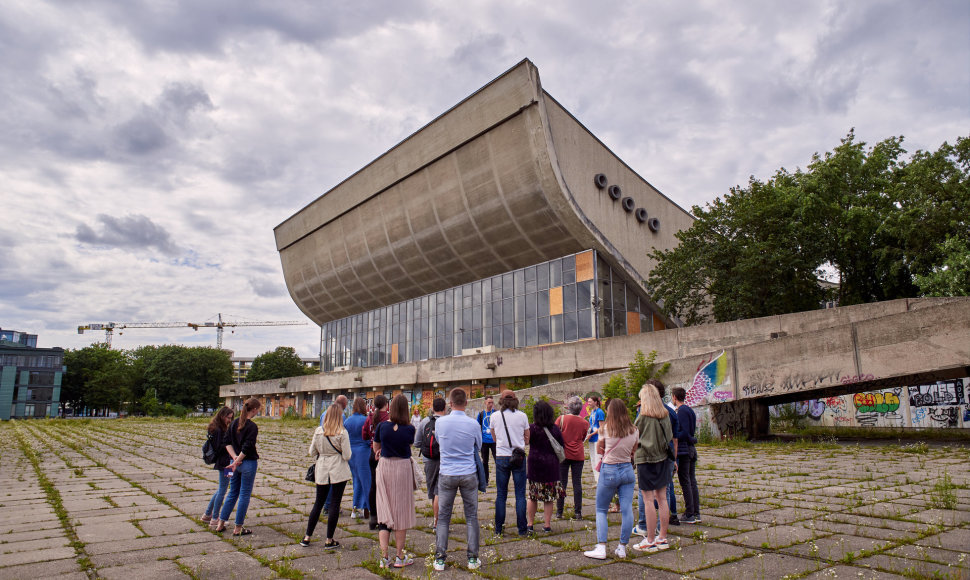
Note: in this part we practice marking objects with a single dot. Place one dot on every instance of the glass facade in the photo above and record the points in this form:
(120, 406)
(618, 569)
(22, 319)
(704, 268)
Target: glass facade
(576, 297)
(30, 378)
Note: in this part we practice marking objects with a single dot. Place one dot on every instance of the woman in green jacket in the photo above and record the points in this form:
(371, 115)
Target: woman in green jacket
(654, 465)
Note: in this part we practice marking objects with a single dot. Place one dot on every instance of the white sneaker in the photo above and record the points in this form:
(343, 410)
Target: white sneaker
(646, 546)
(639, 531)
(620, 551)
(599, 552)
(661, 544)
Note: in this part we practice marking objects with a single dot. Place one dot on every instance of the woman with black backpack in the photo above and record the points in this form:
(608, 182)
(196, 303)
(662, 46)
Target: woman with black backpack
(216, 441)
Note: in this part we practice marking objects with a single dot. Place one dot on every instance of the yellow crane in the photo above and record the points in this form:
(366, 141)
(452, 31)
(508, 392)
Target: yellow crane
(219, 325)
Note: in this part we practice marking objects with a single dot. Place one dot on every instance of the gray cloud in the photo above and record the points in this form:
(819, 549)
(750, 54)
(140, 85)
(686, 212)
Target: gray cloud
(128, 233)
(268, 288)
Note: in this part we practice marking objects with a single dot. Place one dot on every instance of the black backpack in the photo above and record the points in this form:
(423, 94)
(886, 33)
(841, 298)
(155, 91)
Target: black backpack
(209, 451)
(430, 448)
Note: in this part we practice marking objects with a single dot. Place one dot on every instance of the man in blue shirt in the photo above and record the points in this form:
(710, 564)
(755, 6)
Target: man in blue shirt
(458, 437)
(484, 419)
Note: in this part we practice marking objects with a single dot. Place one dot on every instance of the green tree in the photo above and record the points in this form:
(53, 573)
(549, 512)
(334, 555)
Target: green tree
(277, 364)
(189, 377)
(874, 219)
(952, 277)
(627, 386)
(97, 378)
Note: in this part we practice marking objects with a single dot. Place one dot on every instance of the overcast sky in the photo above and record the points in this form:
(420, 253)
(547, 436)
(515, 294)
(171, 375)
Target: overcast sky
(147, 149)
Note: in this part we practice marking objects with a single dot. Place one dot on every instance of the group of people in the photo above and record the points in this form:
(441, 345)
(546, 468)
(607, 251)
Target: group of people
(373, 449)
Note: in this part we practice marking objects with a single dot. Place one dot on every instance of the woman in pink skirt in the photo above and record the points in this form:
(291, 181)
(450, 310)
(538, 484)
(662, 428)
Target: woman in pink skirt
(395, 482)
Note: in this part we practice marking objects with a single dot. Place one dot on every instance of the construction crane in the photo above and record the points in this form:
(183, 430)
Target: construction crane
(110, 327)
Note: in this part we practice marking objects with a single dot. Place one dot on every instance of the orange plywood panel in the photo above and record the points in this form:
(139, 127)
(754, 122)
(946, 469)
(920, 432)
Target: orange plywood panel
(658, 324)
(555, 300)
(633, 323)
(394, 351)
(584, 266)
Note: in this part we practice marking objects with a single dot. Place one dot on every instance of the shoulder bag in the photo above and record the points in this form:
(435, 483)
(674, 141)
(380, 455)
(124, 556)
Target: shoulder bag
(556, 447)
(518, 454)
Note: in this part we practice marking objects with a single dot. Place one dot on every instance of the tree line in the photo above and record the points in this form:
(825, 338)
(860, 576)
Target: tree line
(161, 380)
(150, 380)
(875, 223)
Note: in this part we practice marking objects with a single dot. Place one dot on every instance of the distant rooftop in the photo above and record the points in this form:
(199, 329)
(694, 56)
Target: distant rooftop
(17, 338)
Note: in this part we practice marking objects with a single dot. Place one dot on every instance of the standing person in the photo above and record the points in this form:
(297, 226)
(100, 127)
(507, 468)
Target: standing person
(543, 472)
(510, 429)
(617, 446)
(654, 467)
(416, 417)
(573, 429)
(427, 443)
(395, 481)
(331, 449)
(340, 400)
(484, 419)
(459, 437)
(359, 459)
(595, 417)
(218, 427)
(687, 457)
(671, 494)
(241, 446)
(377, 416)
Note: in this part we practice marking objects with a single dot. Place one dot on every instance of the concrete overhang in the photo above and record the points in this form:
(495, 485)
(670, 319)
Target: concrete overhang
(503, 180)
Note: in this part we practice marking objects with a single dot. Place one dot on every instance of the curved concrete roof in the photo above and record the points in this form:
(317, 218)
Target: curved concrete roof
(501, 181)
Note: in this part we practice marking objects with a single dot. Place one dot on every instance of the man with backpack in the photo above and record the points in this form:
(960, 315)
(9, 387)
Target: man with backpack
(485, 422)
(426, 441)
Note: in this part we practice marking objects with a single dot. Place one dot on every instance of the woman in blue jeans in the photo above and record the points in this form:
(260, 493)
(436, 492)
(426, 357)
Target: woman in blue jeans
(241, 445)
(616, 446)
(217, 430)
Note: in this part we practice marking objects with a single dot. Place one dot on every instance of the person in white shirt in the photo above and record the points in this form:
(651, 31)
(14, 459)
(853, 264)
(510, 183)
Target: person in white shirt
(510, 430)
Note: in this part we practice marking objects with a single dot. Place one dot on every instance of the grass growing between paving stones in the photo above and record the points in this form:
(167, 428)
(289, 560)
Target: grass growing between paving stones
(54, 499)
(942, 495)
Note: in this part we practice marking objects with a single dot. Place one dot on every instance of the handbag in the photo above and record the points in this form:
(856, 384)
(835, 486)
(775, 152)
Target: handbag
(311, 472)
(599, 463)
(518, 454)
(556, 447)
(480, 470)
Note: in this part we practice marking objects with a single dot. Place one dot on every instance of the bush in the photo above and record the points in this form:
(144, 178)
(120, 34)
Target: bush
(627, 386)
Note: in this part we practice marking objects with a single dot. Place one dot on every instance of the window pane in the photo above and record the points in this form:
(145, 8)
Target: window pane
(497, 313)
(519, 308)
(569, 298)
(497, 336)
(555, 273)
(542, 277)
(530, 306)
(476, 293)
(583, 294)
(571, 330)
(508, 311)
(507, 286)
(585, 324)
(519, 334)
(486, 290)
(477, 317)
(606, 323)
(530, 332)
(466, 296)
(568, 277)
(519, 277)
(569, 263)
(542, 305)
(543, 329)
(508, 336)
(530, 280)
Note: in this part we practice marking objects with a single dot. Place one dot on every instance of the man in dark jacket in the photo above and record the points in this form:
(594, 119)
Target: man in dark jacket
(687, 456)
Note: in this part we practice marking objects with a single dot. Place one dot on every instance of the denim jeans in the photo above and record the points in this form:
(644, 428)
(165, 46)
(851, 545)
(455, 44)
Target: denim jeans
(241, 487)
(448, 486)
(502, 473)
(671, 501)
(215, 504)
(615, 479)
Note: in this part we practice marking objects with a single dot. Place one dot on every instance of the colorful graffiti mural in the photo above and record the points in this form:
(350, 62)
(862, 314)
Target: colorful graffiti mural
(711, 383)
(941, 404)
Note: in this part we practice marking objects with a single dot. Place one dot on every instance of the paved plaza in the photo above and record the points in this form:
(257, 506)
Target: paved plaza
(122, 498)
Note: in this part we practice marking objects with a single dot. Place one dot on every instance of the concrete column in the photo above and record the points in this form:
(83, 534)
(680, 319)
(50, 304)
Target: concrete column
(747, 417)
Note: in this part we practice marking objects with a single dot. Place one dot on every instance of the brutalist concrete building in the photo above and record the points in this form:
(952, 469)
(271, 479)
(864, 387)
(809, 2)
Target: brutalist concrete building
(503, 225)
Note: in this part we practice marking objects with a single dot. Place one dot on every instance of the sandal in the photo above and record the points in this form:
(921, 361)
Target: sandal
(242, 532)
(220, 528)
(205, 519)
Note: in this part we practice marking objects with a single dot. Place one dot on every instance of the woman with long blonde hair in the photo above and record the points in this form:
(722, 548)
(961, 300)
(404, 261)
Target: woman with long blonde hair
(330, 448)
(616, 446)
(654, 465)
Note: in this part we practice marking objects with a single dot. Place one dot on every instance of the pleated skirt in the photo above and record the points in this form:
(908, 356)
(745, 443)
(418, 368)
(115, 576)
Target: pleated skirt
(395, 493)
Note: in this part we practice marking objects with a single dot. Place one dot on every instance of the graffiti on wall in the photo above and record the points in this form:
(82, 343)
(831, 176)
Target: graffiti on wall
(711, 383)
(939, 405)
(939, 394)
